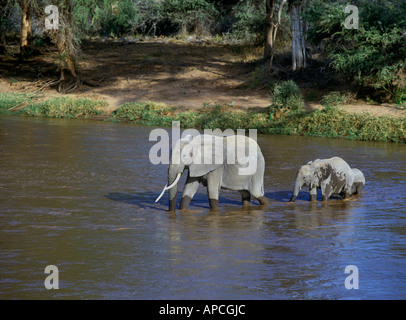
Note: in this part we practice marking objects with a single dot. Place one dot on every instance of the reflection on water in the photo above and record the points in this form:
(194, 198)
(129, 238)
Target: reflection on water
(80, 195)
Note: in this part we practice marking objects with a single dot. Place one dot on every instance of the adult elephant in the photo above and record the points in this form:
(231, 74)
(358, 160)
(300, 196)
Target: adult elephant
(332, 176)
(216, 162)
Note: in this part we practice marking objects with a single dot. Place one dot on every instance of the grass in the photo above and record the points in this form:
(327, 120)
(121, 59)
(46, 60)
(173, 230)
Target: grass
(329, 122)
(57, 107)
(335, 123)
(335, 98)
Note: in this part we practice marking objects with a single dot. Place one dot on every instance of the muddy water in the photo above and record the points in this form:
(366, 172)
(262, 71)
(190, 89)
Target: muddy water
(80, 195)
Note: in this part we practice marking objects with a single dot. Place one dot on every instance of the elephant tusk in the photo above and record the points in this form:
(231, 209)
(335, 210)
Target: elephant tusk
(175, 182)
(162, 193)
(170, 187)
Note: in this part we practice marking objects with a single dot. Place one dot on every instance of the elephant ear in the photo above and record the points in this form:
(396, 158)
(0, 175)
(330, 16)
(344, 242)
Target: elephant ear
(207, 154)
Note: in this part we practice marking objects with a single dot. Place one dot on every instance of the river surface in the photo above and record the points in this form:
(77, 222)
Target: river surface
(80, 195)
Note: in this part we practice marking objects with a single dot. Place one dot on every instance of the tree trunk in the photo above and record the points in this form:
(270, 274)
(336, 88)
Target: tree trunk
(67, 45)
(270, 8)
(26, 31)
(271, 29)
(298, 35)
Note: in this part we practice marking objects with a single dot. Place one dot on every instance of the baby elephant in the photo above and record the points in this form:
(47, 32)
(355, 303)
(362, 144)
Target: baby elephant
(332, 176)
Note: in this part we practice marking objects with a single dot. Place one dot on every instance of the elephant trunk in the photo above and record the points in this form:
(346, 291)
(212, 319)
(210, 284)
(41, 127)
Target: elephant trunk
(296, 190)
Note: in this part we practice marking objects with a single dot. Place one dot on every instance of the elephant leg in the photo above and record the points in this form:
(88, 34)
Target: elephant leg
(313, 193)
(257, 183)
(246, 198)
(191, 185)
(214, 179)
(326, 191)
(347, 191)
(263, 200)
(359, 188)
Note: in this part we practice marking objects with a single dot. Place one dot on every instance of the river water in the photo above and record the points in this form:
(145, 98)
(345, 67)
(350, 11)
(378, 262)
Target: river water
(80, 195)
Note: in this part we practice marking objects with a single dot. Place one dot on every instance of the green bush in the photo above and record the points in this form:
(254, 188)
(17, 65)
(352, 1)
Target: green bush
(150, 17)
(249, 21)
(105, 17)
(198, 16)
(336, 123)
(286, 95)
(335, 98)
(147, 113)
(373, 56)
(399, 97)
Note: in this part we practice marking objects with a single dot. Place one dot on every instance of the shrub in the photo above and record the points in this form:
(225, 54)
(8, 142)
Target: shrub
(373, 56)
(147, 113)
(335, 98)
(196, 16)
(150, 17)
(287, 96)
(105, 17)
(249, 24)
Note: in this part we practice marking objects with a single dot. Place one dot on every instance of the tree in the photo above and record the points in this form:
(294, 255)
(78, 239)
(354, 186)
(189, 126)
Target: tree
(3, 23)
(63, 36)
(372, 56)
(25, 26)
(68, 47)
(271, 28)
(298, 27)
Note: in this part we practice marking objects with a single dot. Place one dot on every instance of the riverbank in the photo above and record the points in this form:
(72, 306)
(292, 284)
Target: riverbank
(331, 122)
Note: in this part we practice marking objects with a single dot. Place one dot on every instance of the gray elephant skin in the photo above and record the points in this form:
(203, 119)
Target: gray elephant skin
(221, 173)
(332, 176)
(358, 182)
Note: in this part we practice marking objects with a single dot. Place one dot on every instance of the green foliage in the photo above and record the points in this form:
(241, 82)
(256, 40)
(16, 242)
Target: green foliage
(150, 16)
(12, 100)
(147, 113)
(335, 98)
(286, 95)
(336, 123)
(63, 107)
(105, 17)
(208, 117)
(374, 55)
(198, 16)
(249, 18)
(115, 17)
(399, 97)
(127, 17)
(327, 122)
